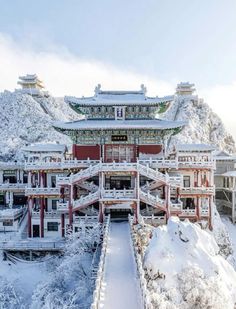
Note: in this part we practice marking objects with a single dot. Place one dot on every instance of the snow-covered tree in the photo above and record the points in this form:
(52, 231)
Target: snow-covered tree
(70, 284)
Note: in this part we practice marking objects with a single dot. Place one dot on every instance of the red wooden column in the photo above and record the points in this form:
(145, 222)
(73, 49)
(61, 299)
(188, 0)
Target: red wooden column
(167, 200)
(210, 213)
(62, 225)
(198, 208)
(178, 193)
(70, 209)
(41, 216)
(30, 201)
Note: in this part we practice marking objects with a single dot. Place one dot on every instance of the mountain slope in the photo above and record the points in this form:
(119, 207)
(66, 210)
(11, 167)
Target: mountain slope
(24, 120)
(204, 126)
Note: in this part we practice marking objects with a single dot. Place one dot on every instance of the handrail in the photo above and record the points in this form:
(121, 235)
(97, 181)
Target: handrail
(40, 190)
(143, 282)
(101, 268)
(11, 212)
(26, 244)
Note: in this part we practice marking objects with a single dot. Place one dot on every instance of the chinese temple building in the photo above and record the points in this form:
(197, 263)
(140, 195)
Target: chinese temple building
(121, 163)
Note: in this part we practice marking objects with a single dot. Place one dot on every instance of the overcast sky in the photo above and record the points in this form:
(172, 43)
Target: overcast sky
(75, 44)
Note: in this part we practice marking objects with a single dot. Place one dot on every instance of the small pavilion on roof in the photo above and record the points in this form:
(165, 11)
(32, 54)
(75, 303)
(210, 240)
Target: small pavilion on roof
(32, 85)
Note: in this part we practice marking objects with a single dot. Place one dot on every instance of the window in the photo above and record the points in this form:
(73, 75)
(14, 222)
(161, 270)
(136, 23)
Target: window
(52, 226)
(54, 204)
(7, 222)
(186, 181)
(188, 203)
(53, 181)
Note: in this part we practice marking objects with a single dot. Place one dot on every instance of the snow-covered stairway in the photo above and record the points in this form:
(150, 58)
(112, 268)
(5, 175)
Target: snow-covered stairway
(121, 286)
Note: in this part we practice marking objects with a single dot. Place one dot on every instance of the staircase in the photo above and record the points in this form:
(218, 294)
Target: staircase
(152, 200)
(149, 172)
(89, 186)
(87, 200)
(89, 172)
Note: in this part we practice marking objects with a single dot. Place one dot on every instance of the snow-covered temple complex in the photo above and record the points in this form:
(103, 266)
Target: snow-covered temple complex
(120, 163)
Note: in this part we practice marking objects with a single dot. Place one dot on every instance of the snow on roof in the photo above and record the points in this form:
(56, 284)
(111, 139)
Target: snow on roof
(45, 148)
(230, 174)
(30, 77)
(222, 155)
(194, 147)
(119, 124)
(118, 97)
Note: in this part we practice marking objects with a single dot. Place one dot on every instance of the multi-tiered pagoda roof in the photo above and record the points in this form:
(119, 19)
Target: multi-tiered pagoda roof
(138, 112)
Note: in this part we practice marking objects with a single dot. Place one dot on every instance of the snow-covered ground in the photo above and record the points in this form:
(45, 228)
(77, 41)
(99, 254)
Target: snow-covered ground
(55, 283)
(231, 229)
(18, 281)
(185, 270)
(121, 286)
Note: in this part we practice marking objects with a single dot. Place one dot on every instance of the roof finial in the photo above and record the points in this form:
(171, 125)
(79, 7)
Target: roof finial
(97, 89)
(143, 89)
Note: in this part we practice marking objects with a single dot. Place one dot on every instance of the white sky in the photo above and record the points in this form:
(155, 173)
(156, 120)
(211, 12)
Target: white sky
(74, 45)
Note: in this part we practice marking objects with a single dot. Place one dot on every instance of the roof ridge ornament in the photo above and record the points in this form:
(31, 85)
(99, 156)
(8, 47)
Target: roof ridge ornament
(97, 89)
(143, 89)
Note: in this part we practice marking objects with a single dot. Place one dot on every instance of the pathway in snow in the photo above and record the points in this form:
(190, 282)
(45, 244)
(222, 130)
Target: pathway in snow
(121, 285)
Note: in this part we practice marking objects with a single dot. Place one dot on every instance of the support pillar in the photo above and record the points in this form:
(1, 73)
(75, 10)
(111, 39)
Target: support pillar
(29, 179)
(138, 197)
(41, 217)
(70, 210)
(30, 206)
(101, 213)
(233, 206)
(135, 214)
(167, 200)
(211, 213)
(11, 199)
(62, 192)
(198, 208)
(62, 225)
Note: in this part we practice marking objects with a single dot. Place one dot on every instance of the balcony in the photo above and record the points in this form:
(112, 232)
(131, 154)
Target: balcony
(118, 194)
(66, 164)
(42, 191)
(188, 212)
(197, 190)
(176, 180)
(63, 180)
(16, 187)
(197, 164)
(176, 206)
(62, 206)
(204, 212)
(160, 163)
(47, 214)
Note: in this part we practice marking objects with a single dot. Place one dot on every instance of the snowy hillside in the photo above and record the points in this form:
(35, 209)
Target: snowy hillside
(204, 126)
(24, 120)
(182, 272)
